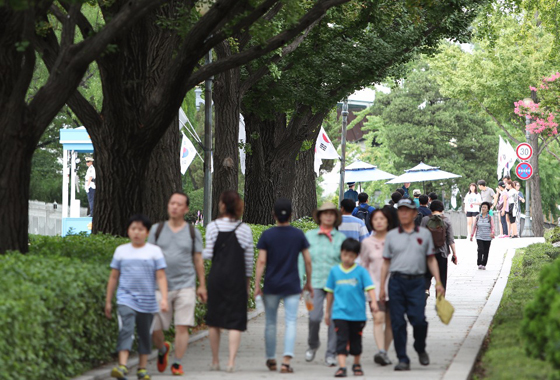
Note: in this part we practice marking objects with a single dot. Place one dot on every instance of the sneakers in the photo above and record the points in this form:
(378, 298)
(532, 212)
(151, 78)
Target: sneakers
(310, 354)
(177, 370)
(142, 374)
(424, 358)
(119, 372)
(402, 366)
(483, 267)
(382, 358)
(480, 267)
(331, 361)
(162, 359)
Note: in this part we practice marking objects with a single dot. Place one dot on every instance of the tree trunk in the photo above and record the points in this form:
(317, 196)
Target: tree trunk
(226, 151)
(270, 168)
(535, 183)
(305, 190)
(15, 176)
(163, 175)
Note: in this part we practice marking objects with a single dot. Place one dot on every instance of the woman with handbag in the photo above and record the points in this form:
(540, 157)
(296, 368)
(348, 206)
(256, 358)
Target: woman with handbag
(229, 244)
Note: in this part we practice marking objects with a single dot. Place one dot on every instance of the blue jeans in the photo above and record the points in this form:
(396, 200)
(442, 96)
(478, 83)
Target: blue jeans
(271, 303)
(504, 223)
(408, 297)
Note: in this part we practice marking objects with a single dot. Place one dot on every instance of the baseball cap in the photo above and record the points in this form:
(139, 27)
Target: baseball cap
(406, 202)
(89, 159)
(501, 184)
(416, 192)
(283, 209)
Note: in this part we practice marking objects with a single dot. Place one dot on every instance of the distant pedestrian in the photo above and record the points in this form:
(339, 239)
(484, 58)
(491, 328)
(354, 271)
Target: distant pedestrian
(135, 268)
(395, 198)
(432, 197)
(229, 244)
(371, 258)
(502, 206)
(444, 242)
(406, 252)
(513, 205)
(363, 210)
(346, 305)
(487, 194)
(181, 244)
(279, 251)
(401, 191)
(423, 209)
(416, 194)
(484, 231)
(352, 226)
(90, 184)
(405, 188)
(472, 203)
(351, 193)
(324, 247)
(520, 199)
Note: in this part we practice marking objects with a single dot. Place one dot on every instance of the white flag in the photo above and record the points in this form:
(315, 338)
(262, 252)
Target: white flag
(501, 158)
(511, 157)
(188, 152)
(324, 147)
(242, 140)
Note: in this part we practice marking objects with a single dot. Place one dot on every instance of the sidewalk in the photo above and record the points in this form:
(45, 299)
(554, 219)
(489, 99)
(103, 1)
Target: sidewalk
(468, 291)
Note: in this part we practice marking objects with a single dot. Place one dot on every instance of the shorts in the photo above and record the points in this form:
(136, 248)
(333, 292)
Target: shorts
(349, 333)
(471, 214)
(384, 307)
(181, 303)
(511, 216)
(129, 320)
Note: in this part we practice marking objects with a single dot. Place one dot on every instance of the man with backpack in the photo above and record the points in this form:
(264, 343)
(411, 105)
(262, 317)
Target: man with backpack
(442, 235)
(181, 244)
(364, 211)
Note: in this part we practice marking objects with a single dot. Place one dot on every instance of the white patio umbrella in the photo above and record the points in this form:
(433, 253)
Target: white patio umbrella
(422, 173)
(361, 171)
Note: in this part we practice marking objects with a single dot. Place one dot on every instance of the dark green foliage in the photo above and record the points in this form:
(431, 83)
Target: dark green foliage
(505, 357)
(52, 301)
(552, 235)
(541, 323)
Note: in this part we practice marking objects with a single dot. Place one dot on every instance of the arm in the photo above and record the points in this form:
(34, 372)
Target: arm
(433, 266)
(261, 262)
(111, 286)
(384, 273)
(201, 292)
(162, 284)
(373, 303)
(492, 234)
(474, 227)
(330, 300)
(307, 261)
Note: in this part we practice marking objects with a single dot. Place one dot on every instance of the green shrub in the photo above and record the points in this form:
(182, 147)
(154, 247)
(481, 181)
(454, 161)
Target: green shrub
(541, 323)
(552, 235)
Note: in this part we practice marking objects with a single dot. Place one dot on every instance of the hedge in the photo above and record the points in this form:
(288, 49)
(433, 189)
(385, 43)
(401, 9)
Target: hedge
(52, 305)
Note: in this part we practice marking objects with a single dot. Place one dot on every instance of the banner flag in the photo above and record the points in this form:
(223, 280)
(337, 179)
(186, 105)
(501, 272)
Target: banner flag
(188, 152)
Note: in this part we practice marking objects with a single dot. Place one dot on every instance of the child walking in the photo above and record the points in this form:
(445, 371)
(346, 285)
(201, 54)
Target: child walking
(135, 268)
(345, 297)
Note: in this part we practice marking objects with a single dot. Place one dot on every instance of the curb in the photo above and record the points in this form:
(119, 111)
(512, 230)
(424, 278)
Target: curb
(463, 363)
(104, 372)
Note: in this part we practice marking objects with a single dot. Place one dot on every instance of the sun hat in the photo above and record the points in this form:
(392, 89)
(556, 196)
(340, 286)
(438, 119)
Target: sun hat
(328, 206)
(416, 192)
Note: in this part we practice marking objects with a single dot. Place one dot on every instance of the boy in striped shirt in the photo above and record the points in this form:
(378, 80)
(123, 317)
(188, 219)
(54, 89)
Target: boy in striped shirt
(135, 268)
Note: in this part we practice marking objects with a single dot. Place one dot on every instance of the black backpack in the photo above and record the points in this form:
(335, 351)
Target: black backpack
(418, 219)
(363, 214)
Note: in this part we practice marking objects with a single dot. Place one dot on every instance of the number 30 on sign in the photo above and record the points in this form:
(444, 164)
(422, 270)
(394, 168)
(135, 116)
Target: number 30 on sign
(524, 151)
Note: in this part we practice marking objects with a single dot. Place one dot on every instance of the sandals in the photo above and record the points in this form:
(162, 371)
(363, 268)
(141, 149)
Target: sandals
(357, 369)
(286, 368)
(341, 372)
(271, 364)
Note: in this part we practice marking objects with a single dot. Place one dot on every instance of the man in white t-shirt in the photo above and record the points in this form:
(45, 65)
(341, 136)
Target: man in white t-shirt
(90, 184)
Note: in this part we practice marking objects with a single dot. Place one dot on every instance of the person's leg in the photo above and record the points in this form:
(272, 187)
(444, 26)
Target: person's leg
(184, 305)
(504, 224)
(480, 259)
(291, 304)
(416, 314)
(127, 324)
(486, 250)
(442, 265)
(508, 224)
(513, 226)
(214, 336)
(397, 311)
(234, 342)
(181, 341)
(388, 328)
(161, 321)
(315, 319)
(143, 328)
(342, 329)
(355, 340)
(271, 303)
(378, 329)
(331, 342)
(469, 225)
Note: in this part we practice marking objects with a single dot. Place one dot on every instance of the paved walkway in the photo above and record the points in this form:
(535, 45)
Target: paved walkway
(469, 290)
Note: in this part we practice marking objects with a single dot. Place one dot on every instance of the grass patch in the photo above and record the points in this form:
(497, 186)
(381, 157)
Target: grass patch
(504, 355)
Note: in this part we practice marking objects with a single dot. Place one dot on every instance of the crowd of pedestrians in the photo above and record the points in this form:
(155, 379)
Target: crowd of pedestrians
(358, 257)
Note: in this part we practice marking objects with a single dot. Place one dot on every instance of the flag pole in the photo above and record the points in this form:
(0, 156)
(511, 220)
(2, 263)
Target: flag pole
(344, 114)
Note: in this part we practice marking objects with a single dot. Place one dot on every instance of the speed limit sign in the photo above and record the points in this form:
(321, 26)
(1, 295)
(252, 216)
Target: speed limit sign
(524, 151)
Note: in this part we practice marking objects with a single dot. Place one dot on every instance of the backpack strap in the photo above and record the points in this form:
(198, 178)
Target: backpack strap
(191, 230)
(158, 230)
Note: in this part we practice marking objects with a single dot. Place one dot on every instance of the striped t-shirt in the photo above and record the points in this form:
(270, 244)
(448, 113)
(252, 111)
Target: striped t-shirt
(354, 228)
(243, 234)
(484, 227)
(137, 279)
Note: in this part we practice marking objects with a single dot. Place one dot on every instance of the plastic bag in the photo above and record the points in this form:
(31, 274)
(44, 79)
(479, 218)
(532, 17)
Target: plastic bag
(444, 309)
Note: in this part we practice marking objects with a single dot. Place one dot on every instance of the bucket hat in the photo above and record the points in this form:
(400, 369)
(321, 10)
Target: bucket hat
(328, 206)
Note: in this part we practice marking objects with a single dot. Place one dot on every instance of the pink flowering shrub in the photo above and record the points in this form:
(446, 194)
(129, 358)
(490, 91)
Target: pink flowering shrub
(543, 115)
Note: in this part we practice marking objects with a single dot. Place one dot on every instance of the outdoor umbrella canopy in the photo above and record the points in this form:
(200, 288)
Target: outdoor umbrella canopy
(361, 171)
(422, 173)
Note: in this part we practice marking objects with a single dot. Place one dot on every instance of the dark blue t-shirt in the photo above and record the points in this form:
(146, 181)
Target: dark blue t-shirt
(283, 246)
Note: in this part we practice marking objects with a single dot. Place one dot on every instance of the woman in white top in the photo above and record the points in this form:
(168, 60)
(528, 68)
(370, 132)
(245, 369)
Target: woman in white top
(472, 203)
(512, 209)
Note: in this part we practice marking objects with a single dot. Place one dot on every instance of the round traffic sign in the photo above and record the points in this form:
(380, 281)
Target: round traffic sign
(524, 170)
(524, 151)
